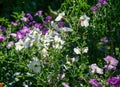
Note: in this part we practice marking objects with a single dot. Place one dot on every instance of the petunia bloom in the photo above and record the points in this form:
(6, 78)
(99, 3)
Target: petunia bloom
(2, 37)
(111, 62)
(114, 81)
(95, 83)
(96, 69)
(104, 2)
(38, 13)
(94, 8)
(34, 65)
(10, 44)
(60, 16)
(2, 28)
(84, 20)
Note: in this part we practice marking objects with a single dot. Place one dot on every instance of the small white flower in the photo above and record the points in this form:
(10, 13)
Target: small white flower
(34, 65)
(85, 50)
(19, 45)
(77, 50)
(84, 20)
(44, 52)
(96, 69)
(60, 16)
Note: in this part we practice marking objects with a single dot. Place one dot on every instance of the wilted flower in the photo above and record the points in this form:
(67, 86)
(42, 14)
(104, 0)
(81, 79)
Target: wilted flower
(10, 44)
(2, 37)
(94, 8)
(19, 45)
(65, 84)
(35, 65)
(95, 83)
(60, 16)
(111, 62)
(114, 81)
(84, 19)
(96, 69)
(1, 84)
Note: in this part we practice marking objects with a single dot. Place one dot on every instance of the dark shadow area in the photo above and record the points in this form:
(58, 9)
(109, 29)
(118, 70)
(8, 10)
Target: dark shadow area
(9, 6)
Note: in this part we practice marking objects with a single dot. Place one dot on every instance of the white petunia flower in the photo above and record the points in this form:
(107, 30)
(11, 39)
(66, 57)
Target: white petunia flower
(85, 50)
(28, 42)
(77, 50)
(34, 65)
(96, 69)
(44, 52)
(35, 34)
(19, 45)
(60, 16)
(84, 20)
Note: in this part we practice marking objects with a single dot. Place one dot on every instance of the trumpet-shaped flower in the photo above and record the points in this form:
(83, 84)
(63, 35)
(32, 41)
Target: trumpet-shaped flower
(94, 83)
(111, 62)
(60, 16)
(35, 65)
(77, 50)
(114, 81)
(84, 19)
(96, 69)
(19, 45)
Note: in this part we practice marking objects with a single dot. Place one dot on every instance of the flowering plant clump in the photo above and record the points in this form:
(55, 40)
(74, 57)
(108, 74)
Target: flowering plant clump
(77, 46)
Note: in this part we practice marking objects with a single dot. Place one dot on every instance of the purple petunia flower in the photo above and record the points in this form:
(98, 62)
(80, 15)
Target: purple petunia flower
(48, 19)
(10, 44)
(61, 24)
(95, 83)
(14, 23)
(2, 37)
(25, 30)
(94, 8)
(31, 23)
(102, 2)
(38, 13)
(114, 81)
(2, 28)
(111, 62)
(20, 35)
(38, 25)
(44, 31)
(29, 16)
